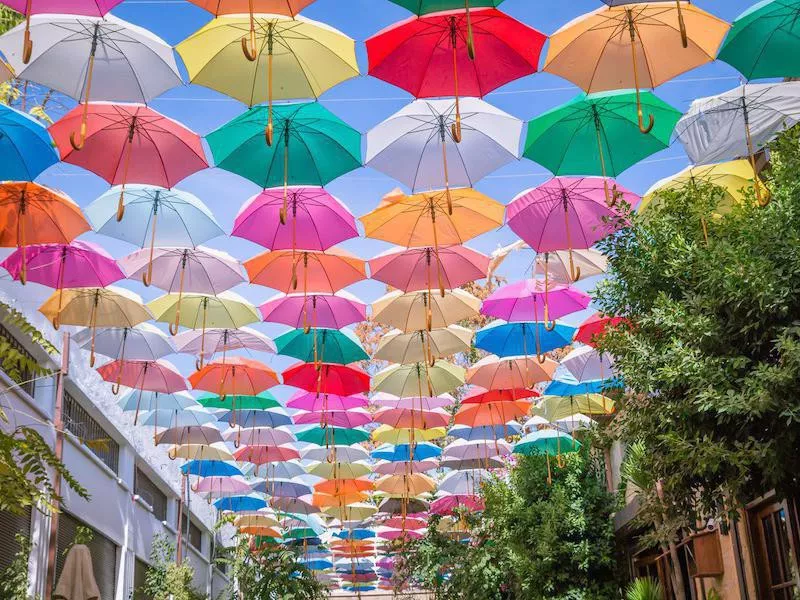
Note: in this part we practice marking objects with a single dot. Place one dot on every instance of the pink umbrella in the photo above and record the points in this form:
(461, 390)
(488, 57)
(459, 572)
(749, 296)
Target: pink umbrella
(407, 523)
(384, 400)
(530, 300)
(416, 269)
(260, 455)
(482, 449)
(513, 372)
(354, 417)
(446, 505)
(218, 486)
(126, 143)
(387, 467)
(313, 401)
(333, 311)
(396, 534)
(567, 213)
(315, 220)
(143, 375)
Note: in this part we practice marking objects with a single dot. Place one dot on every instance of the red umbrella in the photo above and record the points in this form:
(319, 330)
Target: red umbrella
(126, 143)
(261, 455)
(596, 326)
(143, 375)
(479, 395)
(429, 56)
(327, 378)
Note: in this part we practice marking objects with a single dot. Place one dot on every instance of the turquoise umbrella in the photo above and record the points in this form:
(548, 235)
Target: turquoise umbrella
(26, 148)
(145, 401)
(262, 401)
(549, 442)
(329, 436)
(312, 147)
(321, 345)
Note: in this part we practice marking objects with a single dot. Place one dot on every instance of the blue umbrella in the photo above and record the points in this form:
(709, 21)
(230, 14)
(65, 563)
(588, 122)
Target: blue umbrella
(176, 418)
(355, 534)
(210, 468)
(402, 452)
(240, 503)
(316, 564)
(283, 488)
(257, 418)
(26, 148)
(518, 339)
(144, 401)
(567, 385)
(485, 432)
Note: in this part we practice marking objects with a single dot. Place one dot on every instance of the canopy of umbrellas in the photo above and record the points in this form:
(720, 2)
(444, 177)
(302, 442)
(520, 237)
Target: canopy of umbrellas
(351, 464)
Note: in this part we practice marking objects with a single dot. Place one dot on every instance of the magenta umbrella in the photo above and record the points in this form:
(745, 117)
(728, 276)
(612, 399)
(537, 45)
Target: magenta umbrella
(389, 467)
(446, 505)
(143, 375)
(313, 401)
(354, 417)
(529, 300)
(416, 269)
(332, 311)
(315, 220)
(217, 486)
(385, 400)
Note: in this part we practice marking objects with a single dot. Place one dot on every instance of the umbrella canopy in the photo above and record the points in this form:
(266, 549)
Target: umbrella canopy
(330, 436)
(164, 417)
(295, 506)
(202, 451)
(566, 385)
(525, 300)
(313, 401)
(519, 339)
(321, 345)
(306, 270)
(260, 435)
(405, 485)
(462, 464)
(198, 311)
(415, 311)
(235, 375)
(483, 449)
(587, 262)
(343, 486)
(404, 452)
(447, 504)
(382, 399)
(383, 467)
(416, 378)
(327, 378)
(555, 408)
(492, 372)
(142, 342)
(479, 395)
(331, 311)
(495, 414)
(354, 417)
(343, 470)
(210, 468)
(586, 363)
(422, 7)
(464, 482)
(316, 220)
(422, 345)
(256, 418)
(595, 326)
(485, 432)
(408, 418)
(146, 401)
(260, 401)
(211, 341)
(25, 145)
(278, 7)
(406, 506)
(282, 487)
(416, 269)
(406, 435)
(240, 503)
(265, 454)
(153, 376)
(332, 453)
(547, 441)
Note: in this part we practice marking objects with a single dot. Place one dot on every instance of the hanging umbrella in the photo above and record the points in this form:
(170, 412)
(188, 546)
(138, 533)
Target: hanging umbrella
(448, 503)
(33, 214)
(586, 363)
(142, 342)
(25, 145)
(327, 378)
(482, 449)
(260, 401)
(587, 262)
(423, 345)
(147, 401)
(306, 57)
(555, 408)
(265, 454)
(495, 414)
(330, 436)
(567, 213)
(634, 46)
(306, 270)
(259, 519)
(464, 482)
(382, 399)
(512, 372)
(321, 345)
(128, 143)
(240, 503)
(415, 269)
(237, 375)
(468, 464)
(396, 505)
(485, 432)
(209, 468)
(294, 506)
(260, 436)
(415, 311)
(95, 307)
(164, 417)
(282, 488)
(343, 486)
(549, 442)
(598, 134)
(143, 375)
(410, 418)
(317, 220)
(480, 395)
(383, 467)
(566, 385)
(341, 452)
(313, 147)
(595, 326)
(416, 144)
(406, 485)
(307, 311)
(517, 339)
(416, 378)
(312, 401)
(509, 51)
(276, 417)
(762, 42)
(201, 451)
(344, 470)
(354, 417)
(212, 341)
(406, 435)
(522, 300)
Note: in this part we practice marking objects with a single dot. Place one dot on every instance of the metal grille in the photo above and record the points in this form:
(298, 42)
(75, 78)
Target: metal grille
(10, 525)
(151, 493)
(139, 580)
(195, 534)
(23, 374)
(103, 551)
(78, 421)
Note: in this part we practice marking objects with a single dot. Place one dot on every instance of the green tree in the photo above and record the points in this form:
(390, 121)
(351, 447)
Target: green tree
(165, 579)
(711, 357)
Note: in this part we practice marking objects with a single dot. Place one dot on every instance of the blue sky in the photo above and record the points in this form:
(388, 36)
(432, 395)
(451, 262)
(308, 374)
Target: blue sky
(364, 102)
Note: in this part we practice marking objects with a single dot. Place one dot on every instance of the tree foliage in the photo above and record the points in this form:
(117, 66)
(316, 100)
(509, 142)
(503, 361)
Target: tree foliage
(711, 357)
(165, 579)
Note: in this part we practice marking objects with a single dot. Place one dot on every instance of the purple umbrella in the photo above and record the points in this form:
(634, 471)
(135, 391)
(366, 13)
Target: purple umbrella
(313, 401)
(315, 220)
(530, 300)
(333, 311)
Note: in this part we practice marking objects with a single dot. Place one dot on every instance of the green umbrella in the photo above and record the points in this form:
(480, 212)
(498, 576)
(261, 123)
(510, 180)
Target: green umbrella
(330, 436)
(321, 345)
(263, 401)
(546, 441)
(312, 146)
(764, 41)
(598, 134)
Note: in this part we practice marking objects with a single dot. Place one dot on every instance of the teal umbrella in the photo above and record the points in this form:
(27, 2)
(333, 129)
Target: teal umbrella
(321, 345)
(329, 436)
(262, 401)
(549, 442)
(598, 134)
(764, 41)
(312, 146)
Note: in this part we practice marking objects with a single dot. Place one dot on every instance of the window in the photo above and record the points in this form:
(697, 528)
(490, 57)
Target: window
(195, 533)
(150, 493)
(774, 533)
(22, 374)
(103, 551)
(139, 580)
(10, 525)
(78, 422)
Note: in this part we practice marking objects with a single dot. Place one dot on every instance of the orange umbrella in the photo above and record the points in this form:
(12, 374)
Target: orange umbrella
(342, 500)
(338, 487)
(511, 372)
(33, 214)
(262, 531)
(351, 545)
(321, 272)
(491, 413)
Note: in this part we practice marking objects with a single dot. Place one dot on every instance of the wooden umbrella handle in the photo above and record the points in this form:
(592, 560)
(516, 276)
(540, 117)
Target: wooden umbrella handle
(27, 44)
(639, 110)
(249, 46)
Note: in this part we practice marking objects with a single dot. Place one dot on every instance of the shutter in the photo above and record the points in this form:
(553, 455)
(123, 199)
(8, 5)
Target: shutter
(10, 526)
(139, 579)
(103, 551)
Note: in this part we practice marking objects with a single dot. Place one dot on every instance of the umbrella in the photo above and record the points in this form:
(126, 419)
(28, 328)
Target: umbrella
(738, 122)
(354, 417)
(201, 451)
(344, 470)
(313, 401)
(383, 467)
(587, 262)
(464, 482)
(494, 414)
(596, 325)
(321, 345)
(413, 269)
(143, 375)
(327, 378)
(515, 339)
(177, 418)
(520, 301)
(549, 442)
(33, 214)
(211, 341)
(282, 488)
(25, 145)
(261, 401)
(762, 42)
(278, 7)
(479, 395)
(447, 504)
(467, 464)
(492, 372)
(209, 468)
(592, 51)
(142, 342)
(485, 432)
(128, 143)
(423, 345)
(236, 375)
(509, 50)
(341, 485)
(586, 363)
(405, 485)
(259, 519)
(341, 452)
(265, 454)
(240, 503)
(357, 511)
(415, 311)
(260, 436)
(328, 271)
(306, 57)
(678, 7)
(317, 220)
(95, 307)
(146, 401)
(306, 311)
(256, 418)
(313, 147)
(330, 436)
(382, 399)
(482, 449)
(406, 435)
(413, 145)
(566, 385)
(598, 134)
(412, 379)
(555, 408)
(294, 506)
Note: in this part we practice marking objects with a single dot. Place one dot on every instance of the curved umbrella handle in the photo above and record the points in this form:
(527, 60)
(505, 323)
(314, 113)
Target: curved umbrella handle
(195, 486)
(147, 277)
(27, 43)
(115, 387)
(121, 205)
(173, 328)
(77, 143)
(56, 323)
(455, 129)
(549, 326)
(249, 46)
(198, 364)
(650, 124)
(682, 23)
(92, 357)
(470, 37)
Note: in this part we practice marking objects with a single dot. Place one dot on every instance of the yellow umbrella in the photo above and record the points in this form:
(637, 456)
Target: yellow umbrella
(95, 307)
(422, 345)
(357, 511)
(403, 435)
(216, 451)
(414, 311)
(554, 408)
(306, 57)
(419, 379)
(406, 486)
(256, 520)
(634, 46)
(340, 470)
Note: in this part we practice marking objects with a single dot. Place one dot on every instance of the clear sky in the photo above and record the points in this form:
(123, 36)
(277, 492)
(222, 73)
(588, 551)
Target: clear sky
(364, 102)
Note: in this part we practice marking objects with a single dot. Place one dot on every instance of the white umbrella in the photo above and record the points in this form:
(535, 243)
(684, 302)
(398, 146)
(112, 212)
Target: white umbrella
(143, 342)
(259, 436)
(342, 453)
(587, 364)
(222, 340)
(575, 422)
(482, 450)
(416, 146)
(464, 482)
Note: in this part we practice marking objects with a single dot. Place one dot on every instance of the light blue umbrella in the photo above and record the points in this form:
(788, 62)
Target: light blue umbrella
(356, 534)
(240, 503)
(26, 148)
(279, 470)
(285, 488)
(485, 432)
(518, 339)
(257, 418)
(567, 385)
(316, 564)
(154, 215)
(176, 418)
(402, 452)
(146, 401)
(210, 468)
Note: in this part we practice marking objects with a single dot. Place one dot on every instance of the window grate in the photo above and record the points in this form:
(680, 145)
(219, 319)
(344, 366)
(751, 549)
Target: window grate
(195, 533)
(22, 374)
(78, 422)
(144, 487)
